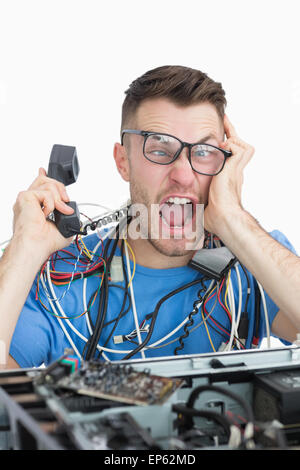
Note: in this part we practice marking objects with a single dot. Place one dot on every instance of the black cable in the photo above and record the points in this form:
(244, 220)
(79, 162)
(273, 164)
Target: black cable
(195, 310)
(221, 333)
(257, 313)
(212, 388)
(126, 295)
(103, 303)
(123, 313)
(243, 325)
(100, 318)
(154, 316)
(190, 412)
(90, 320)
(208, 320)
(94, 338)
(248, 288)
(211, 415)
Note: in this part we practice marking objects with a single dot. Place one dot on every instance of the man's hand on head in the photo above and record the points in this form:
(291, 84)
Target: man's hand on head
(32, 207)
(224, 200)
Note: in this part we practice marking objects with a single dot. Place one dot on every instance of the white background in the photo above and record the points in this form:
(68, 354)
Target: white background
(65, 64)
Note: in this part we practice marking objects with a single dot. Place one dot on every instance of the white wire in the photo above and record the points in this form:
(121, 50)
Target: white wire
(232, 310)
(80, 335)
(235, 321)
(171, 332)
(158, 341)
(133, 335)
(94, 205)
(263, 298)
(69, 283)
(56, 315)
(133, 302)
(265, 309)
(178, 326)
(240, 293)
(229, 344)
(118, 351)
(95, 217)
(103, 214)
(238, 315)
(85, 280)
(101, 348)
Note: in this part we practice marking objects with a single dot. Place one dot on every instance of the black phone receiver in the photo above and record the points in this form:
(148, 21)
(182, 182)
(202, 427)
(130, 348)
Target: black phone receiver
(64, 167)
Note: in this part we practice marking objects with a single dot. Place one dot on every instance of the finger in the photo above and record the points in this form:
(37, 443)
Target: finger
(58, 190)
(48, 203)
(62, 207)
(240, 157)
(41, 178)
(229, 128)
(42, 172)
(45, 183)
(236, 141)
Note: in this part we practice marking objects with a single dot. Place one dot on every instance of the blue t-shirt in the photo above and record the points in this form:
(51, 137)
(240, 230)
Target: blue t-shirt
(40, 336)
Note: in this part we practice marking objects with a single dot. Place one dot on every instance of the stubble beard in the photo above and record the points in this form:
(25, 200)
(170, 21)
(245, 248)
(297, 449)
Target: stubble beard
(149, 231)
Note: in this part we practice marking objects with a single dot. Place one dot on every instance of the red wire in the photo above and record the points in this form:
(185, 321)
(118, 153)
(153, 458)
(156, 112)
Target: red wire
(206, 312)
(67, 275)
(226, 310)
(60, 275)
(211, 318)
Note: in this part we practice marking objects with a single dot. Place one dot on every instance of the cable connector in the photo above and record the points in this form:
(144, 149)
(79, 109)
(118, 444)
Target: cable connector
(243, 328)
(116, 269)
(118, 339)
(213, 262)
(121, 338)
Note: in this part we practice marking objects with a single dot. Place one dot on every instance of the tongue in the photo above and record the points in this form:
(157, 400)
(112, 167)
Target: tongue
(175, 214)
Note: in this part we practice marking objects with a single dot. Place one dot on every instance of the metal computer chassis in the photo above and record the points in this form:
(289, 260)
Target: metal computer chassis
(33, 415)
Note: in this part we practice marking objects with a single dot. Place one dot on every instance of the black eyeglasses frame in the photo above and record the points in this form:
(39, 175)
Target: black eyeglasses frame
(146, 134)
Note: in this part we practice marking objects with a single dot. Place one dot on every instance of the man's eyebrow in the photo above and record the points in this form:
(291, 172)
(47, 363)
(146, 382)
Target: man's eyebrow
(206, 138)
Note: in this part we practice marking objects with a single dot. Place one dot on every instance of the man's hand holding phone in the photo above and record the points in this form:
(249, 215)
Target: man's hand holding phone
(31, 210)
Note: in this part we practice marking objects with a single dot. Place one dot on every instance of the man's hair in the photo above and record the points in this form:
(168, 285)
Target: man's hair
(184, 86)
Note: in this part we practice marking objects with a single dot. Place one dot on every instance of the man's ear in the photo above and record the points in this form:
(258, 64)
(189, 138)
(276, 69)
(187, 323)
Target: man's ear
(121, 159)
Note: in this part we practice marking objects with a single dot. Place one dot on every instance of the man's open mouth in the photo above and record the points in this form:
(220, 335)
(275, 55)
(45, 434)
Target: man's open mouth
(177, 212)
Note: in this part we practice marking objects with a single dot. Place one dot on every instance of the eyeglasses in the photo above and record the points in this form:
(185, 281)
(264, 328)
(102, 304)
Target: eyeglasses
(164, 149)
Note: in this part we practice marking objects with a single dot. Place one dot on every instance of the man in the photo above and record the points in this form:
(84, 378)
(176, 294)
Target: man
(174, 156)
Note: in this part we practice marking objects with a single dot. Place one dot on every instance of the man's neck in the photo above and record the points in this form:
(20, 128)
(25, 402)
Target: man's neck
(147, 255)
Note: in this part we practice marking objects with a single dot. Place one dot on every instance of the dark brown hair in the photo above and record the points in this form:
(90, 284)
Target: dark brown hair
(182, 85)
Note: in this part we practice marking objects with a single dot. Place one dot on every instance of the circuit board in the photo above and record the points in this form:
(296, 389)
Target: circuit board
(119, 383)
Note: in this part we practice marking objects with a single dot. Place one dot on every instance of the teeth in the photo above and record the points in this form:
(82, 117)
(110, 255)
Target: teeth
(179, 200)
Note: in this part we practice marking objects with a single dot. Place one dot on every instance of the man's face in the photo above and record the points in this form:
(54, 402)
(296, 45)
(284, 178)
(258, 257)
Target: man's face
(153, 185)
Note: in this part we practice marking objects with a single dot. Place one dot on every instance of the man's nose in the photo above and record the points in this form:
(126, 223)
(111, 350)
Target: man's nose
(181, 170)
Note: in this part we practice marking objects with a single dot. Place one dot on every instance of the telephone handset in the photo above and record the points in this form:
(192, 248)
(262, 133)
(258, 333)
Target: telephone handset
(64, 167)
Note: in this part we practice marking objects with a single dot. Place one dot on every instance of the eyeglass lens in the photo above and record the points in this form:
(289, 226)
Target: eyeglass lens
(162, 149)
